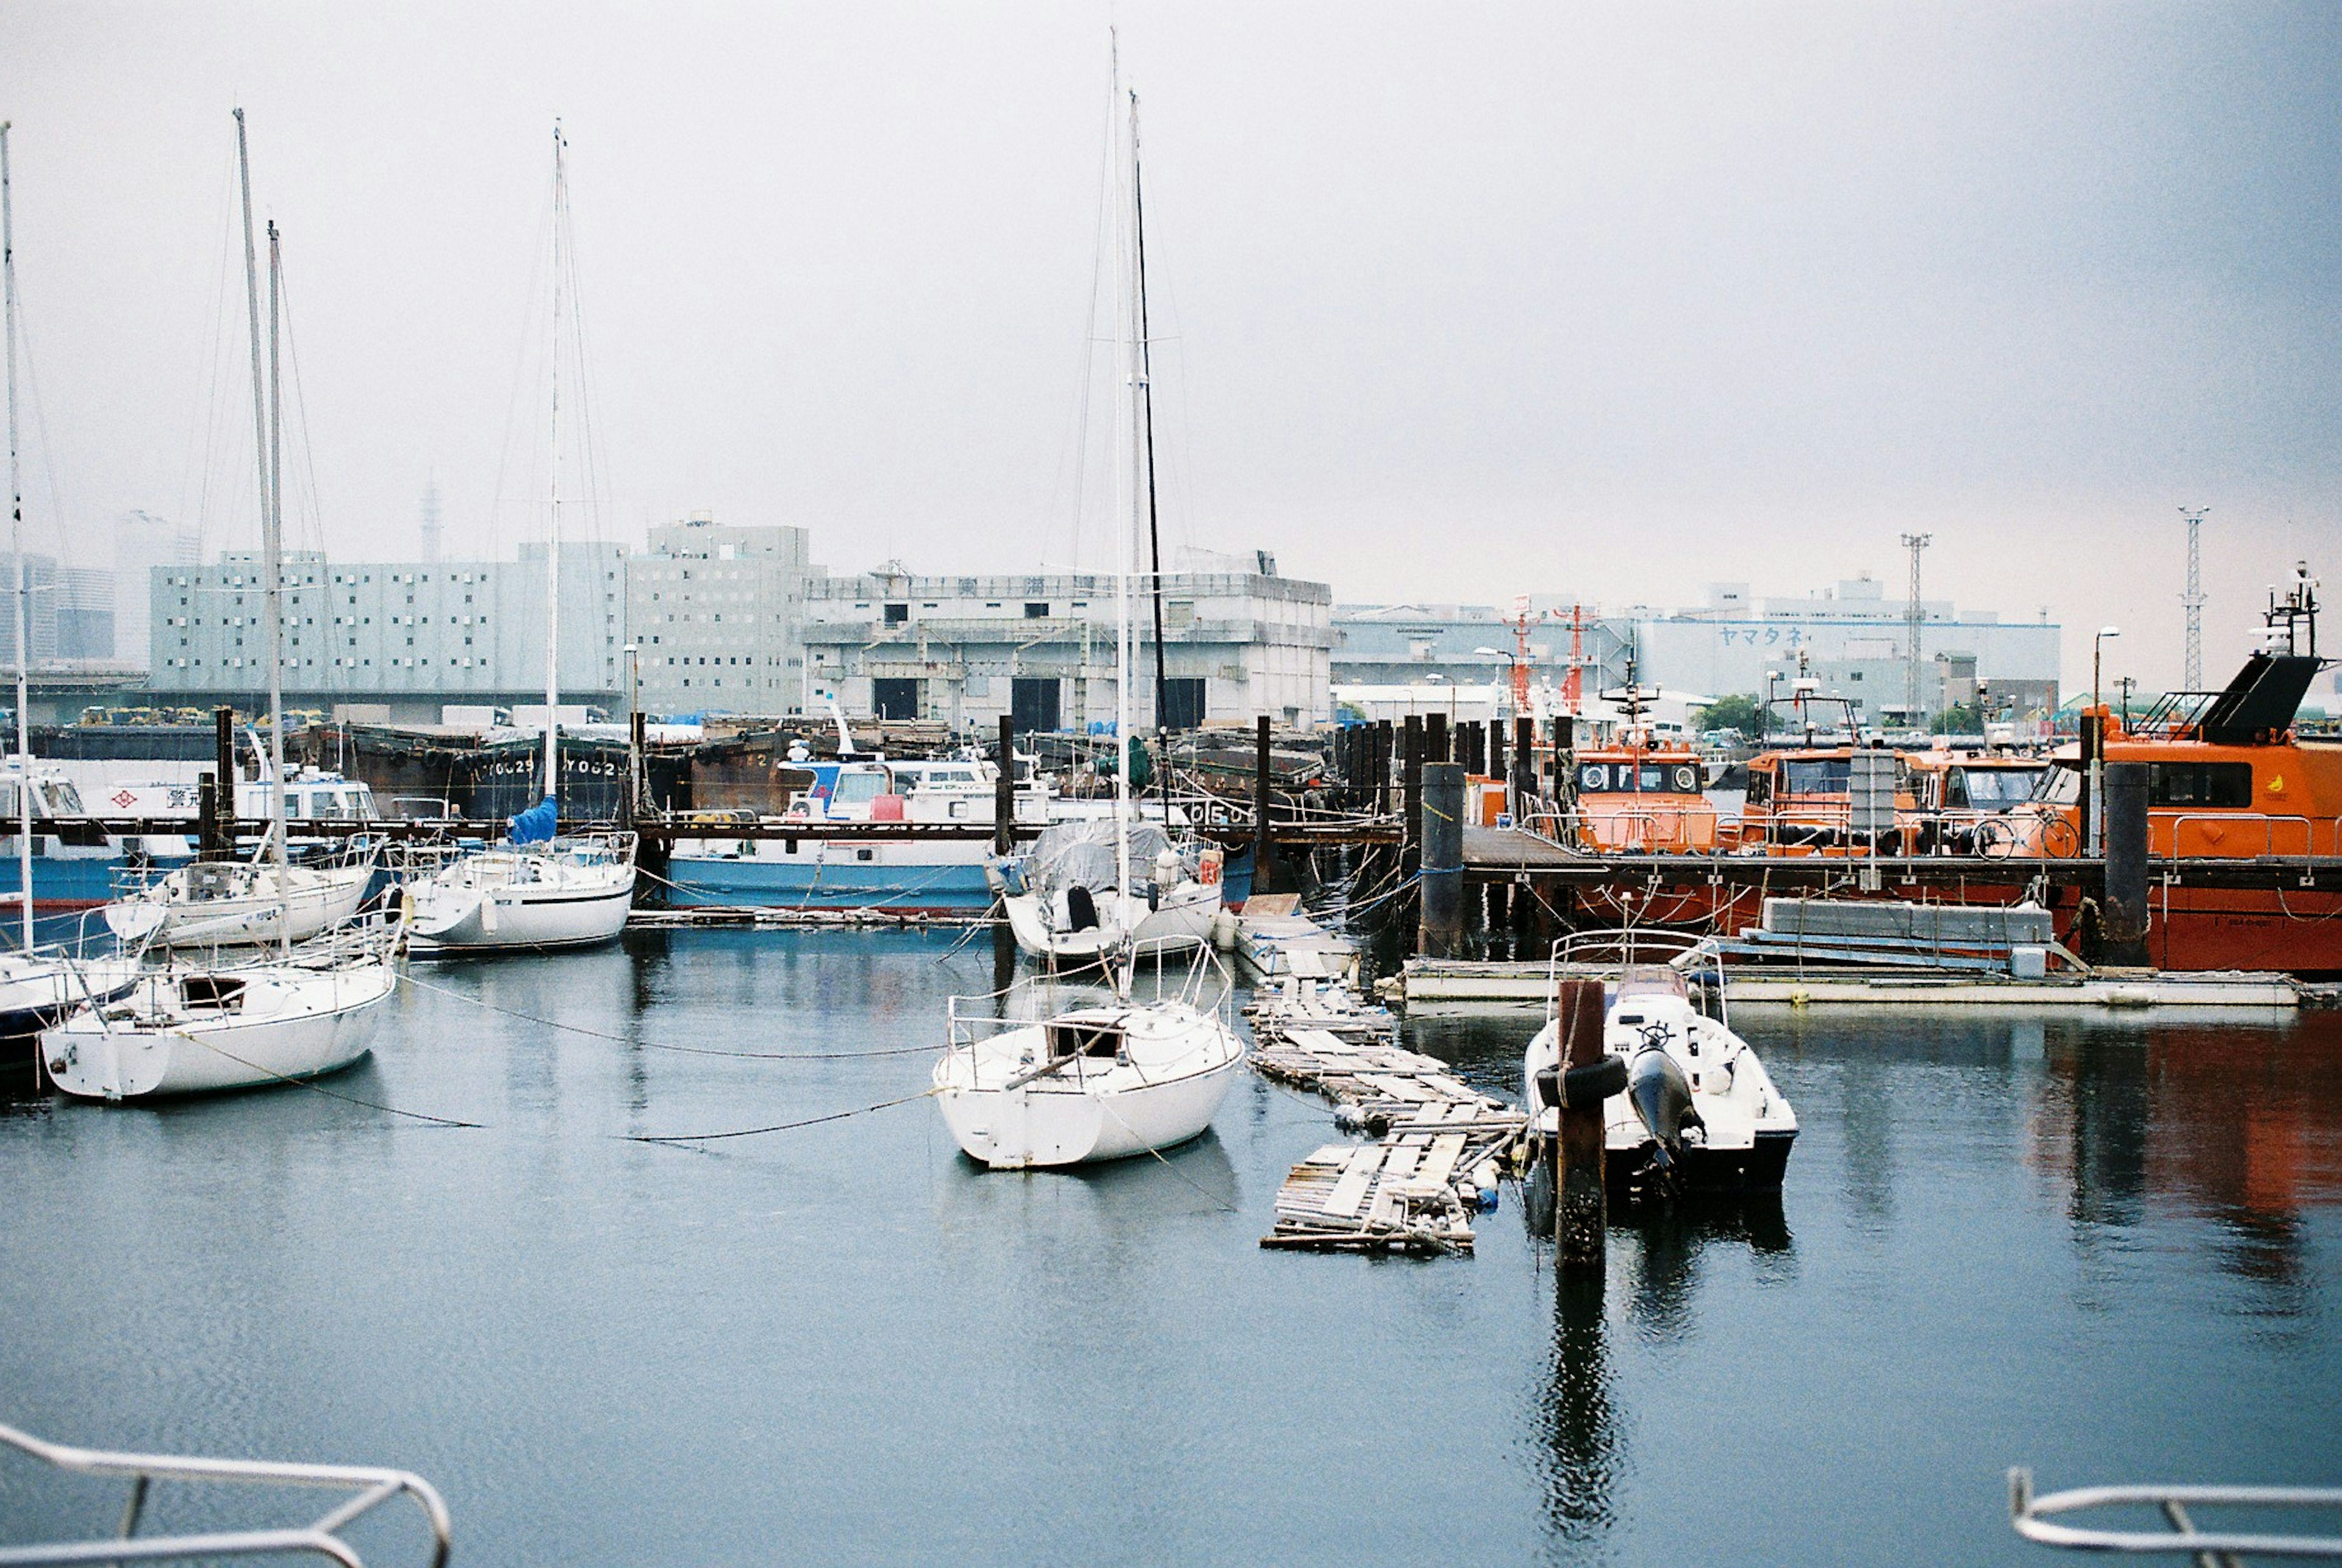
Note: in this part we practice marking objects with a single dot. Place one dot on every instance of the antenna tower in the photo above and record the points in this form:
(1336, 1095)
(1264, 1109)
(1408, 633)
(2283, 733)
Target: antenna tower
(1915, 616)
(2192, 677)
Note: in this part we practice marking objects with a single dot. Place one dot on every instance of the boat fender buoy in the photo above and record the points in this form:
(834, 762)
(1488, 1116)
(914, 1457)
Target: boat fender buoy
(1593, 1082)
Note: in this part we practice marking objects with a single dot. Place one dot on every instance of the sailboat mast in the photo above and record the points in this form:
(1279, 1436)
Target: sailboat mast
(1126, 532)
(553, 535)
(273, 546)
(1146, 416)
(260, 448)
(16, 545)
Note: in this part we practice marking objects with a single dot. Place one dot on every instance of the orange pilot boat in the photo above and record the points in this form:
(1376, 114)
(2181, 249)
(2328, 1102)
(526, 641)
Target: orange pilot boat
(1969, 802)
(2228, 778)
(1640, 797)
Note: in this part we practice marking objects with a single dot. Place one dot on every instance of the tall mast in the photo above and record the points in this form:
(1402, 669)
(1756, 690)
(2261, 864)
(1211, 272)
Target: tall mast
(1147, 417)
(553, 535)
(262, 465)
(16, 545)
(272, 546)
(1126, 549)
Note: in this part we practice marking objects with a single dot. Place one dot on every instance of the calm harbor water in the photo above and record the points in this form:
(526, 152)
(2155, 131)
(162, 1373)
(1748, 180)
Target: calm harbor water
(2107, 1246)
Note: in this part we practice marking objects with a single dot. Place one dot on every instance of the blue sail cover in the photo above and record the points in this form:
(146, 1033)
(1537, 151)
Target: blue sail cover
(538, 824)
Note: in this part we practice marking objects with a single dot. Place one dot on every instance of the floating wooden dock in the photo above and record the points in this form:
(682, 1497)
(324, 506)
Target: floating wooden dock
(1437, 1141)
(1433, 983)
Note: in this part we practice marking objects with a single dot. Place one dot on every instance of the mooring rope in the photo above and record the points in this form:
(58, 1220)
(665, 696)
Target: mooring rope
(662, 1046)
(777, 1126)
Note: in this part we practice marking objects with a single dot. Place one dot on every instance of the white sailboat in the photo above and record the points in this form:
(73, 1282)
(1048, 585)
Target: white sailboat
(274, 1017)
(39, 985)
(541, 888)
(1098, 1081)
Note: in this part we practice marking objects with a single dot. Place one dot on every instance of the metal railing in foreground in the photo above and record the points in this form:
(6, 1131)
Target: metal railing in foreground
(2216, 1548)
(369, 1488)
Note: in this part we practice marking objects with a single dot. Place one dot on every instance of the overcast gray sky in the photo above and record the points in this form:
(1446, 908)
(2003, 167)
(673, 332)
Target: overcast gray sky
(1459, 300)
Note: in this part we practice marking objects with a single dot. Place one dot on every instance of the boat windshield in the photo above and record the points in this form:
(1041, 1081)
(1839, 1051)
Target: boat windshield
(2061, 786)
(1817, 775)
(1995, 788)
(859, 788)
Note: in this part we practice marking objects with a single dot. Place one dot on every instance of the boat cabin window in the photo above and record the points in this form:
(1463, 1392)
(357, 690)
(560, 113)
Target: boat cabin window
(221, 991)
(1760, 787)
(2061, 786)
(62, 799)
(1597, 778)
(859, 789)
(1084, 1040)
(2228, 785)
(1990, 788)
(1822, 775)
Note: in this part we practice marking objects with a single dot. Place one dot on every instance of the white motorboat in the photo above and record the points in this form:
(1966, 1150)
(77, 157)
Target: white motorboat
(1076, 897)
(567, 892)
(1098, 1083)
(1686, 1105)
(186, 1029)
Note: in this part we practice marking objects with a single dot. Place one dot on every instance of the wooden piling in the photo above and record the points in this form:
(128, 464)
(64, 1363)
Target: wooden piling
(1435, 737)
(1443, 861)
(2125, 906)
(1576, 1149)
(1525, 782)
(1263, 853)
(1003, 790)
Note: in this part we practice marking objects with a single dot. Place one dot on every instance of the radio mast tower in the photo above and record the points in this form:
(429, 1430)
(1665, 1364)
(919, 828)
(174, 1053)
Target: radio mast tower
(2192, 677)
(1915, 617)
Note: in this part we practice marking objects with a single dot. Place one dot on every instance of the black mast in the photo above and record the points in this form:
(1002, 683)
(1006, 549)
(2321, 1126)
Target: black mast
(1146, 407)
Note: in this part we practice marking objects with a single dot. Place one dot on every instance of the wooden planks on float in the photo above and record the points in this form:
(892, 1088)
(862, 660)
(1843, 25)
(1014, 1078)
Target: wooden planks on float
(1437, 1144)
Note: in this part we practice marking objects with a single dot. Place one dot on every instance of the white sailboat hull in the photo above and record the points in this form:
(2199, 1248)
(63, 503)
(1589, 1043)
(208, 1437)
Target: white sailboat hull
(1181, 922)
(313, 900)
(285, 1024)
(520, 905)
(1079, 1115)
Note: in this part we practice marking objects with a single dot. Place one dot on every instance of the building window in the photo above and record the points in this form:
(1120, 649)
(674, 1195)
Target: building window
(1035, 610)
(898, 614)
(896, 698)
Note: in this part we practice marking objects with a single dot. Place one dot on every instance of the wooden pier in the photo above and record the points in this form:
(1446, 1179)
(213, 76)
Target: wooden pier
(1437, 1141)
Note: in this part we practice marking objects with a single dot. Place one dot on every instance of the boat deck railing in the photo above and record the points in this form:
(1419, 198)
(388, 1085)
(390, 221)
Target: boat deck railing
(368, 1489)
(2032, 1515)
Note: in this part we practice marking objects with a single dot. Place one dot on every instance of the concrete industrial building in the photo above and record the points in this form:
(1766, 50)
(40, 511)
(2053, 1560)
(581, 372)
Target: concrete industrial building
(1239, 640)
(393, 640)
(1852, 636)
(718, 613)
(736, 620)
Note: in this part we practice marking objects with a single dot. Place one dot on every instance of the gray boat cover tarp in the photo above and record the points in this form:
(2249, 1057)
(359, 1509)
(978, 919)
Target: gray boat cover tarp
(1081, 853)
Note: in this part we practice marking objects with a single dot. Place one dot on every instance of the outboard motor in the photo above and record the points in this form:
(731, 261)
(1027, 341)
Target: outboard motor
(1661, 1096)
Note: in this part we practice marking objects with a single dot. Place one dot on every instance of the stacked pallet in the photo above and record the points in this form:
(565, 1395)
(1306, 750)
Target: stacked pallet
(1437, 1140)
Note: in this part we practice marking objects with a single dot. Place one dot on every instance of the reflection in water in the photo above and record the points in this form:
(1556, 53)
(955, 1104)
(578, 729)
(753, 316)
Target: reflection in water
(1580, 1428)
(2242, 1127)
(1583, 1454)
(1669, 1240)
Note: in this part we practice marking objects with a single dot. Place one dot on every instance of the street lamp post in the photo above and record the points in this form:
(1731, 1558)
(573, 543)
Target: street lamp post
(2096, 827)
(1765, 714)
(1511, 660)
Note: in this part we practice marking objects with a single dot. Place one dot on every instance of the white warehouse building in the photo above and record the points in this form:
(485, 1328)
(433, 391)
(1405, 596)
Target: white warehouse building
(964, 650)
